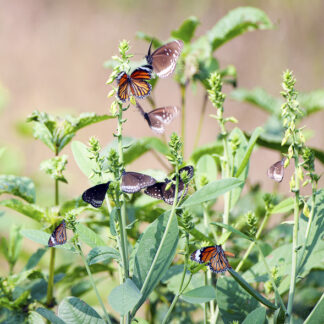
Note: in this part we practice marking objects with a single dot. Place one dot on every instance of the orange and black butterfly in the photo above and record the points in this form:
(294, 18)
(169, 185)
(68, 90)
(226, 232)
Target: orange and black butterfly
(136, 82)
(214, 256)
(58, 237)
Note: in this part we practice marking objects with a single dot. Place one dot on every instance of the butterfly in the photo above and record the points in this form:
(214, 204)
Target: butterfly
(137, 82)
(159, 117)
(58, 237)
(159, 190)
(276, 171)
(164, 59)
(96, 194)
(134, 182)
(214, 256)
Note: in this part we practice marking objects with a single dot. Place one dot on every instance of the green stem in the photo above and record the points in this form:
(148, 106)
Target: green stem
(93, 284)
(201, 119)
(172, 215)
(294, 244)
(183, 119)
(252, 244)
(275, 288)
(205, 304)
(180, 290)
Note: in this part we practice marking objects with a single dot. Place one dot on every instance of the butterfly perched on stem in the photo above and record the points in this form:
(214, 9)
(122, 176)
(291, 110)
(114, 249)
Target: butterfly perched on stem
(166, 192)
(214, 256)
(134, 181)
(158, 118)
(276, 171)
(164, 59)
(136, 83)
(58, 237)
(96, 194)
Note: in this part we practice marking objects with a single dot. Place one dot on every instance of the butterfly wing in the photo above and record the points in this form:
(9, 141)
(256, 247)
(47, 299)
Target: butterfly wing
(134, 181)
(168, 195)
(276, 171)
(58, 237)
(139, 86)
(189, 169)
(164, 59)
(122, 82)
(96, 194)
(155, 191)
(159, 117)
(219, 262)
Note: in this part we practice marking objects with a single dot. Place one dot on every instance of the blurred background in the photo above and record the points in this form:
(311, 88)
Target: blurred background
(52, 55)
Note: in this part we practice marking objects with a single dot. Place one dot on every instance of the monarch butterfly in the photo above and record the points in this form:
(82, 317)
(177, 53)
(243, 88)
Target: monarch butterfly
(159, 117)
(164, 59)
(159, 189)
(137, 82)
(276, 171)
(96, 194)
(134, 181)
(58, 237)
(214, 256)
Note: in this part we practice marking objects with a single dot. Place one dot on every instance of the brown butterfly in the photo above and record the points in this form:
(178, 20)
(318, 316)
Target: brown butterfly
(276, 171)
(58, 237)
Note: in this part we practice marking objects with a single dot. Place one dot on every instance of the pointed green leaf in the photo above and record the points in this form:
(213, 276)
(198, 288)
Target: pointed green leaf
(50, 315)
(237, 22)
(124, 297)
(102, 254)
(317, 314)
(73, 310)
(256, 316)
(206, 169)
(21, 187)
(88, 236)
(284, 206)
(199, 295)
(233, 230)
(312, 101)
(34, 259)
(211, 191)
(186, 30)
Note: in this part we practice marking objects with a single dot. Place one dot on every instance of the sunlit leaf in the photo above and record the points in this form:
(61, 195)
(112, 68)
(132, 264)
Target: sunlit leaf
(187, 29)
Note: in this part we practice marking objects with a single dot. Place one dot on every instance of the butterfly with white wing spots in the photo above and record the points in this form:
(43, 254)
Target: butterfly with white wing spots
(276, 171)
(96, 194)
(58, 237)
(133, 181)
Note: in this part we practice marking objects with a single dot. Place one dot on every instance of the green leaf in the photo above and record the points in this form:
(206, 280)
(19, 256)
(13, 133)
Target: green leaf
(256, 316)
(124, 297)
(284, 206)
(211, 148)
(233, 301)
(200, 295)
(102, 254)
(259, 98)
(21, 187)
(186, 30)
(48, 314)
(34, 259)
(211, 191)
(146, 252)
(233, 230)
(206, 169)
(33, 211)
(248, 151)
(35, 318)
(237, 22)
(73, 310)
(240, 154)
(317, 314)
(88, 236)
(251, 290)
(312, 101)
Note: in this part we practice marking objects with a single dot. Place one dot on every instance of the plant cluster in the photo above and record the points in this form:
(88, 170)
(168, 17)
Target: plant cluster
(162, 239)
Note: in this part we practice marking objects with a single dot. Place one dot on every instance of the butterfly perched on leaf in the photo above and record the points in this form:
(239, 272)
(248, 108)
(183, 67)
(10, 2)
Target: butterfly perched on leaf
(166, 192)
(158, 118)
(276, 171)
(214, 256)
(58, 237)
(164, 59)
(134, 181)
(136, 83)
(96, 194)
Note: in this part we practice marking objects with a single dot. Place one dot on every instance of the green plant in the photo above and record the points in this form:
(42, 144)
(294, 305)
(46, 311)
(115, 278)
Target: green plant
(143, 246)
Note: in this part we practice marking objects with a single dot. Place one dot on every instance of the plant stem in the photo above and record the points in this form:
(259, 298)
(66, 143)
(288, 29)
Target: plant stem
(183, 112)
(294, 244)
(275, 288)
(257, 236)
(205, 304)
(201, 119)
(148, 276)
(93, 284)
(180, 290)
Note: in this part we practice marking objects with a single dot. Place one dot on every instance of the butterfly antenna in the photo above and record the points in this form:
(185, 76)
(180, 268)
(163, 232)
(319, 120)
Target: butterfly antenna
(139, 107)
